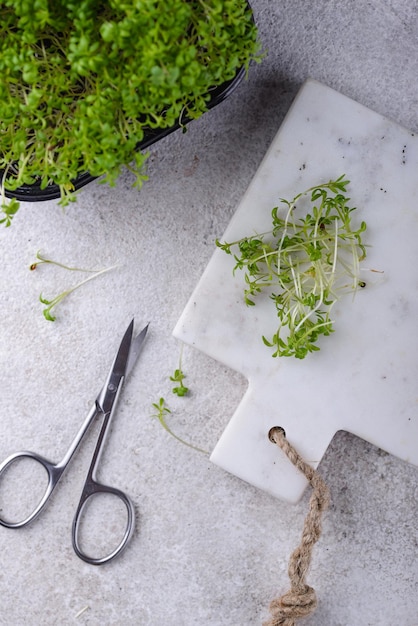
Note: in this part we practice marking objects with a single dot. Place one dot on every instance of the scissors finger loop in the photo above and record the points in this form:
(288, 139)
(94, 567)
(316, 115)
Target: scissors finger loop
(54, 473)
(93, 489)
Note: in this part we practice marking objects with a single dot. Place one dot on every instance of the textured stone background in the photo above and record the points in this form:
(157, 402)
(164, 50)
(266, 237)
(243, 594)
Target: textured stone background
(209, 549)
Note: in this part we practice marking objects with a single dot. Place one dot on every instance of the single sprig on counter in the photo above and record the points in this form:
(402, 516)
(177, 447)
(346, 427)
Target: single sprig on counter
(178, 377)
(53, 302)
(161, 411)
(306, 261)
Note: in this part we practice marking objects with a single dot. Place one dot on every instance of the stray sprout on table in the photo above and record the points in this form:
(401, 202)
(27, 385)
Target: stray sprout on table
(305, 263)
(161, 412)
(50, 304)
(178, 377)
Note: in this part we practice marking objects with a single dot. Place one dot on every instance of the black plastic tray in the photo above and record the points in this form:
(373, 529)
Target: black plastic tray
(34, 193)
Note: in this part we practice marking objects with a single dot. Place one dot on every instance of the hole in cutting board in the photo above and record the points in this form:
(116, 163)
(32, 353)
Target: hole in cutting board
(273, 429)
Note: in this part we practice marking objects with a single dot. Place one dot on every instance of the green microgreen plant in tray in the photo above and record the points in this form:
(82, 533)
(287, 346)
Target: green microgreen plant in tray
(83, 84)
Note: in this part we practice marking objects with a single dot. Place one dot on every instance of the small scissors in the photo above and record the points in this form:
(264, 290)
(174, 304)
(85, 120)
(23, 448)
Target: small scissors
(103, 407)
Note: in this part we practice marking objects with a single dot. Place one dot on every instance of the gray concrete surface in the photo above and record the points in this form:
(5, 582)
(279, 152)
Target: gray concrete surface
(208, 548)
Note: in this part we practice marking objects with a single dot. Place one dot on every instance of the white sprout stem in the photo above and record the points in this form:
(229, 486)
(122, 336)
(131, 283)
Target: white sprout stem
(43, 259)
(347, 268)
(279, 249)
(265, 257)
(295, 280)
(354, 269)
(298, 292)
(356, 264)
(86, 280)
(334, 264)
(316, 307)
(316, 228)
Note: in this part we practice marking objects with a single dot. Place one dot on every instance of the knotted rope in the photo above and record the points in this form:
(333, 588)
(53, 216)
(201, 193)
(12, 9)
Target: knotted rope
(300, 600)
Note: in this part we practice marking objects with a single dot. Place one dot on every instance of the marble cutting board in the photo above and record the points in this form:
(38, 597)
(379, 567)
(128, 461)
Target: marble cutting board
(365, 378)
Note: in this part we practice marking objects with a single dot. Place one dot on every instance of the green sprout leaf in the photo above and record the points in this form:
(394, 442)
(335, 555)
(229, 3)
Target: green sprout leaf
(178, 377)
(9, 210)
(305, 263)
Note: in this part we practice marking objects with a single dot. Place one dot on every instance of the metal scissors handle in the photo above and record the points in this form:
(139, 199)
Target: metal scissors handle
(104, 407)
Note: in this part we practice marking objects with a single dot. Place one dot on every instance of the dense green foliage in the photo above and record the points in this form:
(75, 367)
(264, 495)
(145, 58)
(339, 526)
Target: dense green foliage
(81, 81)
(306, 262)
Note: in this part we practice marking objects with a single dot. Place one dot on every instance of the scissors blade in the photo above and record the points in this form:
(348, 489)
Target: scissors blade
(124, 361)
(135, 350)
(118, 369)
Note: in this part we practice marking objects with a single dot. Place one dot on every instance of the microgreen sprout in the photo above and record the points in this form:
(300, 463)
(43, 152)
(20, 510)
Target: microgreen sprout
(305, 263)
(178, 377)
(51, 304)
(161, 412)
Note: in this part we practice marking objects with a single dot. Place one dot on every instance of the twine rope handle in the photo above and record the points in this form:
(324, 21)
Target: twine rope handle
(300, 600)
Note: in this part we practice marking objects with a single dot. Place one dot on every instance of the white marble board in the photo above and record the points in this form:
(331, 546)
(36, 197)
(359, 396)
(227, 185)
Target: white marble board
(364, 379)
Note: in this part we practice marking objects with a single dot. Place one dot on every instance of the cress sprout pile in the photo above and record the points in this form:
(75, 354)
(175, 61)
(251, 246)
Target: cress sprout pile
(305, 263)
